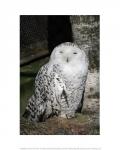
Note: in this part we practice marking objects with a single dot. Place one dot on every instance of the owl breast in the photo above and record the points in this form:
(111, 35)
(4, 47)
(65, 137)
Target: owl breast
(71, 72)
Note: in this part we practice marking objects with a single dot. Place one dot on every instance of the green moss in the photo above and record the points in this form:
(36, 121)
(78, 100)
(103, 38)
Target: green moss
(82, 118)
(80, 125)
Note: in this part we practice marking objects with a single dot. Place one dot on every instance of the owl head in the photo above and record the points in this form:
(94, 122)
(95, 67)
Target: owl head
(68, 53)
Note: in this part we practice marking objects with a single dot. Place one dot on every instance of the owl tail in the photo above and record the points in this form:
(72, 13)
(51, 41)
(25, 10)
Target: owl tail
(26, 114)
(30, 108)
(33, 112)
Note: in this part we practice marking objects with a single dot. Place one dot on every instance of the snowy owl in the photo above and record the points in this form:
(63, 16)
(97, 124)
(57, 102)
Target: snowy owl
(59, 84)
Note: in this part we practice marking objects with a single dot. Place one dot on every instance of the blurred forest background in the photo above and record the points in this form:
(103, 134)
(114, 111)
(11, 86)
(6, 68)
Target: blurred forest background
(38, 36)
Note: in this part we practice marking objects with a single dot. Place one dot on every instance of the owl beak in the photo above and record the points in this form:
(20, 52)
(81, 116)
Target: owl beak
(67, 59)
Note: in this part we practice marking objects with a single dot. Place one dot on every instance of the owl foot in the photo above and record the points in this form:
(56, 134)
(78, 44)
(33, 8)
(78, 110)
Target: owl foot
(63, 116)
(68, 116)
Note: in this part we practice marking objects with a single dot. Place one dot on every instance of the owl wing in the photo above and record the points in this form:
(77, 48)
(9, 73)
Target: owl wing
(82, 88)
(79, 109)
(49, 87)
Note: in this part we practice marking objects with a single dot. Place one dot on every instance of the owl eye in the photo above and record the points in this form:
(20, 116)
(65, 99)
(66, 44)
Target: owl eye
(74, 53)
(61, 51)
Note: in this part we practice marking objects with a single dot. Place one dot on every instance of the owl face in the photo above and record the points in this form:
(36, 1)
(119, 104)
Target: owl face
(67, 53)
